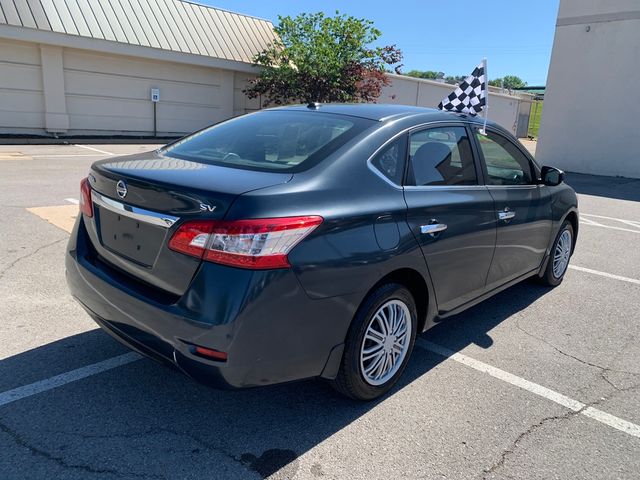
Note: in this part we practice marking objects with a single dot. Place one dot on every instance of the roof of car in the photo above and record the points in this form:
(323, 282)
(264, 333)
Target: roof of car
(376, 111)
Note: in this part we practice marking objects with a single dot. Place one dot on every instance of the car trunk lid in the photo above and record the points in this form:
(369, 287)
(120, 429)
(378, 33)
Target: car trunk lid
(140, 200)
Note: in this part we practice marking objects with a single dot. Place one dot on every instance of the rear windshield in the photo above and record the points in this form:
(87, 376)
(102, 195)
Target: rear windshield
(283, 141)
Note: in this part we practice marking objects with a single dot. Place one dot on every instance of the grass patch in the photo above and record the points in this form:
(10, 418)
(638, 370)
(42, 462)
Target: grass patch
(534, 119)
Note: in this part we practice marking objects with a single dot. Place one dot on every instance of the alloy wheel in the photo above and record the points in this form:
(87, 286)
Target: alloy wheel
(562, 254)
(386, 342)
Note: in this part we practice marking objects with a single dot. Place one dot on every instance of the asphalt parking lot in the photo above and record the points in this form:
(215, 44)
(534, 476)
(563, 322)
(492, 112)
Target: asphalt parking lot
(534, 383)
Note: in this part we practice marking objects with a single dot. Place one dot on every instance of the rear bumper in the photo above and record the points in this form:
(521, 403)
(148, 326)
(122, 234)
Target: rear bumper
(270, 329)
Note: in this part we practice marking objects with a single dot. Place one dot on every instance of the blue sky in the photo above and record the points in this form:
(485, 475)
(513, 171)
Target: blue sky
(516, 36)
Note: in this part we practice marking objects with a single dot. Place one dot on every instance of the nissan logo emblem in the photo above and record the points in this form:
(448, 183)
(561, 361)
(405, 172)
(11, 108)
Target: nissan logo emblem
(121, 188)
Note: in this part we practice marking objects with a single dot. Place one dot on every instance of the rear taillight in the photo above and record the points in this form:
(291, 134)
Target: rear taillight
(255, 244)
(191, 238)
(85, 204)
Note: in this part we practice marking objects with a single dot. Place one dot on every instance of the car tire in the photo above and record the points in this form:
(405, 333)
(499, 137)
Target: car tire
(561, 251)
(383, 331)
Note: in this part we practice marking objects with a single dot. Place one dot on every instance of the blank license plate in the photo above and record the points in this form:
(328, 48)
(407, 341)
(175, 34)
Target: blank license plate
(130, 238)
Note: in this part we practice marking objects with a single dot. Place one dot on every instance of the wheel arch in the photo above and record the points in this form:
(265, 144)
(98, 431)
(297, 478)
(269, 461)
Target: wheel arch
(572, 217)
(413, 281)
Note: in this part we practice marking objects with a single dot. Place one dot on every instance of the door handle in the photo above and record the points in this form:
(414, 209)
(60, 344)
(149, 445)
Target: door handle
(506, 214)
(433, 228)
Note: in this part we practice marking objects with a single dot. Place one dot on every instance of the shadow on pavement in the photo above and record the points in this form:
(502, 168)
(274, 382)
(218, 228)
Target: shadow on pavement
(611, 187)
(144, 420)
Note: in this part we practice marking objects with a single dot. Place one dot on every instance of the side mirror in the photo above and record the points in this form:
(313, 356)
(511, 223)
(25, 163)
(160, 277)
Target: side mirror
(552, 176)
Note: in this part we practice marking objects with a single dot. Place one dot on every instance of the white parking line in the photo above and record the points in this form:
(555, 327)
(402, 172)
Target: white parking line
(605, 418)
(591, 223)
(67, 377)
(93, 148)
(586, 221)
(544, 392)
(75, 201)
(71, 155)
(605, 274)
(630, 222)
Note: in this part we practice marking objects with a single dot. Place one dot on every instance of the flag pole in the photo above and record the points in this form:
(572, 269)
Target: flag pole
(486, 98)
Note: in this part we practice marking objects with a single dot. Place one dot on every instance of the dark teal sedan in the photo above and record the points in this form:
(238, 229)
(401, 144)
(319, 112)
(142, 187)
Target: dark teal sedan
(313, 241)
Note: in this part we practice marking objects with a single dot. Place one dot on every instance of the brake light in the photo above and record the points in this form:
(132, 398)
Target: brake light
(85, 204)
(255, 244)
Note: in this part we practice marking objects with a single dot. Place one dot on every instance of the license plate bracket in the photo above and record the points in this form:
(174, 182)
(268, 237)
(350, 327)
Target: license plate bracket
(134, 239)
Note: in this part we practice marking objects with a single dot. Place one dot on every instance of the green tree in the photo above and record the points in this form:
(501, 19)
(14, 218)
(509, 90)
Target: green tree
(509, 82)
(428, 74)
(454, 79)
(323, 59)
(433, 75)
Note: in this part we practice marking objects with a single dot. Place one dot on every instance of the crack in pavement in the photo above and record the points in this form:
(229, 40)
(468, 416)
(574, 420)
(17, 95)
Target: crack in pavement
(60, 461)
(603, 371)
(511, 449)
(603, 375)
(23, 257)
(585, 362)
(220, 450)
(565, 416)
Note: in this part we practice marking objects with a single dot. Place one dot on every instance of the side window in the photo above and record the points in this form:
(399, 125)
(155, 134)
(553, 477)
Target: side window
(441, 156)
(390, 160)
(506, 164)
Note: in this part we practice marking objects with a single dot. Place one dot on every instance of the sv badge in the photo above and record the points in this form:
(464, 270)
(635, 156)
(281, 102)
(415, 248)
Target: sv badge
(207, 208)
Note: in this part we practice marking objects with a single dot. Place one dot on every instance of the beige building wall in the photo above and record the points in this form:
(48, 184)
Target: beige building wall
(241, 103)
(21, 91)
(67, 84)
(589, 121)
(70, 91)
(70, 68)
(112, 93)
(503, 109)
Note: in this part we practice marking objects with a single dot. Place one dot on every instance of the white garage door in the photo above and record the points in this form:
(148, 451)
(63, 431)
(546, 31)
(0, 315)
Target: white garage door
(111, 94)
(21, 98)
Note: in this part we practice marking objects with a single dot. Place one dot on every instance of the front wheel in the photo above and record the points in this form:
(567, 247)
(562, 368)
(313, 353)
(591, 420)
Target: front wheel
(379, 343)
(560, 256)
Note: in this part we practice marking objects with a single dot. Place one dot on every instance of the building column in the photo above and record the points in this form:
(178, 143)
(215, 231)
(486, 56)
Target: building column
(227, 93)
(56, 119)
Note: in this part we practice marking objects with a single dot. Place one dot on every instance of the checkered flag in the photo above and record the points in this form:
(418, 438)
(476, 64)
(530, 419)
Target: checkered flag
(471, 95)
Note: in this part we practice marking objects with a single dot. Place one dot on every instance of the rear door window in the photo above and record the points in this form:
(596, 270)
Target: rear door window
(271, 141)
(441, 156)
